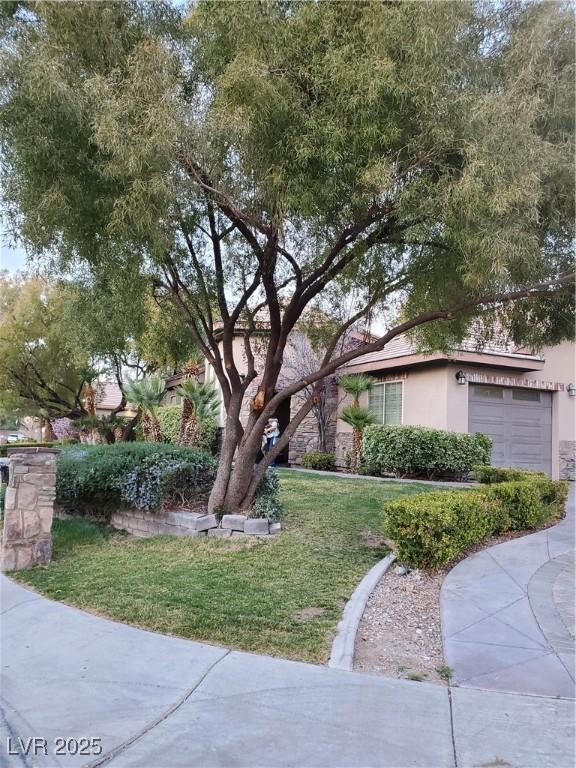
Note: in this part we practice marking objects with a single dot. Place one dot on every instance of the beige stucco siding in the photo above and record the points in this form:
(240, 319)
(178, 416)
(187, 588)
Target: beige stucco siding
(432, 397)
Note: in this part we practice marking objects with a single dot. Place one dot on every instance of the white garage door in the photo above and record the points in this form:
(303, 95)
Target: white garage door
(519, 421)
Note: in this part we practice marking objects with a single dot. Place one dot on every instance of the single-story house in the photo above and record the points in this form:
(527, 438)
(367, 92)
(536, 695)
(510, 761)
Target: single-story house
(525, 402)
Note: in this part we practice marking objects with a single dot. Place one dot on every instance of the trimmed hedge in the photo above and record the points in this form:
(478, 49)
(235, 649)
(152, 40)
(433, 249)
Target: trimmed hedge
(318, 460)
(487, 474)
(422, 452)
(97, 479)
(431, 530)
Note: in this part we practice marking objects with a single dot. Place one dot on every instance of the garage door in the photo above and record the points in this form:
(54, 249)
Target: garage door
(519, 421)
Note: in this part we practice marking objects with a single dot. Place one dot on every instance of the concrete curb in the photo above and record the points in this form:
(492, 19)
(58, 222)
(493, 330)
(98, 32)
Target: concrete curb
(342, 654)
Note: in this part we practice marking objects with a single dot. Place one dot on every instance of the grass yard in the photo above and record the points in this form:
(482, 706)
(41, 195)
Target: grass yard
(282, 597)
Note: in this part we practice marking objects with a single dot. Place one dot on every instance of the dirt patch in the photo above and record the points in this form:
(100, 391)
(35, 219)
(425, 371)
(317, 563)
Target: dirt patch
(372, 540)
(399, 635)
(309, 613)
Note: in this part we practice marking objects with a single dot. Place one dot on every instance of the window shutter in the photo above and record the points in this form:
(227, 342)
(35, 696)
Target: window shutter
(393, 403)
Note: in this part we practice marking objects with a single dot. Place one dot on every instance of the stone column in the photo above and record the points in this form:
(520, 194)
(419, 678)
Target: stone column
(28, 508)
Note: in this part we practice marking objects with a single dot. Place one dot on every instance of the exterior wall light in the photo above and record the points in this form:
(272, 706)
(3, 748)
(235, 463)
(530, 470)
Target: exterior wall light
(461, 377)
(571, 389)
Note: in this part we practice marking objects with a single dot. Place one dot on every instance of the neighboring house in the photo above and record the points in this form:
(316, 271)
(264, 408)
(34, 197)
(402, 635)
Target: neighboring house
(525, 402)
(298, 360)
(108, 398)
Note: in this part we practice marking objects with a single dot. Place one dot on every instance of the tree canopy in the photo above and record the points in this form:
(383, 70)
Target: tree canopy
(261, 159)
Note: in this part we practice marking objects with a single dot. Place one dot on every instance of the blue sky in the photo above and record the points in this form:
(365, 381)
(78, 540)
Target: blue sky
(11, 258)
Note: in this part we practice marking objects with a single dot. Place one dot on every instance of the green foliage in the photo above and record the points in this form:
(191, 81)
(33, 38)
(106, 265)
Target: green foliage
(318, 460)
(203, 397)
(3, 487)
(422, 452)
(357, 417)
(146, 393)
(457, 116)
(487, 474)
(170, 418)
(98, 479)
(530, 503)
(356, 383)
(432, 530)
(267, 502)
(41, 371)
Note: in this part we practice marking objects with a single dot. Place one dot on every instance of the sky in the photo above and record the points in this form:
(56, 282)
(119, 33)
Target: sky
(11, 259)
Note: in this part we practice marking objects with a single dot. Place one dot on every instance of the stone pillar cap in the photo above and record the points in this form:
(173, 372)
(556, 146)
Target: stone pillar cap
(31, 450)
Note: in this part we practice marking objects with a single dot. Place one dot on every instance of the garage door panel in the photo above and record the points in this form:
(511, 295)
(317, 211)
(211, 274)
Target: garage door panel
(519, 423)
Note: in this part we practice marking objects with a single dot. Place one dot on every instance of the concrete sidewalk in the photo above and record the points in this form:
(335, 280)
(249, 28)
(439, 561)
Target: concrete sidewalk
(508, 614)
(161, 702)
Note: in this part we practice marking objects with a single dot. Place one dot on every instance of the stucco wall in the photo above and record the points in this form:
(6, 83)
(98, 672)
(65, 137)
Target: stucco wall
(433, 398)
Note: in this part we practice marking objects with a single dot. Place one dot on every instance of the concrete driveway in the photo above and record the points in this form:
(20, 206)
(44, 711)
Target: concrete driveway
(75, 682)
(508, 614)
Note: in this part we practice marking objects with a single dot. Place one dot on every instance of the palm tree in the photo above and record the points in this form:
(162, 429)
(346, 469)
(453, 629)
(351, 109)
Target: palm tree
(190, 370)
(203, 404)
(147, 395)
(358, 418)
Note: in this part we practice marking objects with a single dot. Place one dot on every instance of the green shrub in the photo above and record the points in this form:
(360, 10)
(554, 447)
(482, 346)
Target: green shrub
(96, 479)
(422, 452)
(431, 530)
(530, 503)
(318, 460)
(2, 496)
(267, 501)
(170, 418)
(486, 474)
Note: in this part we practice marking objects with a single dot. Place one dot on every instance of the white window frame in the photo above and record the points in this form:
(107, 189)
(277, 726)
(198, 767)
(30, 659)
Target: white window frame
(383, 384)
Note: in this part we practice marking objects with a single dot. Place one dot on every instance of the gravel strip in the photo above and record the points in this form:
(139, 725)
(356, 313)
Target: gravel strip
(399, 635)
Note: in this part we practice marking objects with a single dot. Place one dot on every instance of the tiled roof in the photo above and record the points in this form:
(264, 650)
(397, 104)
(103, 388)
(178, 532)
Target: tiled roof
(108, 395)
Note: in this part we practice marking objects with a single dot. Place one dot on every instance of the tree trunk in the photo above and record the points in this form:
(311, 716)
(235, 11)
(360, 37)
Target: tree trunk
(191, 434)
(187, 413)
(155, 430)
(356, 449)
(47, 431)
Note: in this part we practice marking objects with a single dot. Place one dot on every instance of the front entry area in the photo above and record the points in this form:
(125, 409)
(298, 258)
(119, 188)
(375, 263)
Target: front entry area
(519, 421)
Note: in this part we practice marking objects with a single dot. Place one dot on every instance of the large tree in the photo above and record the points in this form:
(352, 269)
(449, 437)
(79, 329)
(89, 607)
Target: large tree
(258, 159)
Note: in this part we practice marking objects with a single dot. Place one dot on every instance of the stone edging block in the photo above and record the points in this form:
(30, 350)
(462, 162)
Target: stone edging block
(342, 653)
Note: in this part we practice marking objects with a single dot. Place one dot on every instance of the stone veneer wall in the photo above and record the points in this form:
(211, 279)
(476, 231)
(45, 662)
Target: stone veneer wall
(29, 508)
(567, 455)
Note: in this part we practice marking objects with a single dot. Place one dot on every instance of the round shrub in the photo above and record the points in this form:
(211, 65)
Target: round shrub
(318, 460)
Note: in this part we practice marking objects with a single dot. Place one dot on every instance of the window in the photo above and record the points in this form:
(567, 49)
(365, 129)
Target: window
(385, 402)
(493, 393)
(526, 394)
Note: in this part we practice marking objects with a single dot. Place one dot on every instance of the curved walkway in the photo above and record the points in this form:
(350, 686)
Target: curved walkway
(153, 701)
(508, 614)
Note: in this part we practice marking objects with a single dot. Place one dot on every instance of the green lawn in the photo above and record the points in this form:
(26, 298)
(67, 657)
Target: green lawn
(235, 592)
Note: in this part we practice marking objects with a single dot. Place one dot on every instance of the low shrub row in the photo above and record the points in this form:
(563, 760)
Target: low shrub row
(96, 479)
(431, 530)
(489, 475)
(407, 451)
(319, 460)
